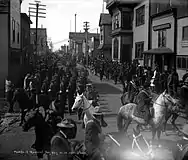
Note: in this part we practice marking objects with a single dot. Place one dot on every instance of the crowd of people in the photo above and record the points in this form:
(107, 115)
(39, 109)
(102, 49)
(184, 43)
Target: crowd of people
(126, 73)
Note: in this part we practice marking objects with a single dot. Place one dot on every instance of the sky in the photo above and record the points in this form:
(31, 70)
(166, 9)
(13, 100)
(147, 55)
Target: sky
(60, 17)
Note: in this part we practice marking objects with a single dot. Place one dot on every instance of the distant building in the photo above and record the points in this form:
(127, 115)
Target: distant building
(93, 46)
(77, 40)
(121, 12)
(10, 42)
(42, 45)
(105, 24)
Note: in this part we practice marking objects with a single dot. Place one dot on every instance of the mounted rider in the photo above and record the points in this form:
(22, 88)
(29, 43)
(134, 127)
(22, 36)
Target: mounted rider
(94, 136)
(132, 89)
(143, 101)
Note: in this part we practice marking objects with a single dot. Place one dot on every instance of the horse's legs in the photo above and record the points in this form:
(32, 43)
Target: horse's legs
(127, 123)
(174, 117)
(165, 123)
(23, 113)
(159, 133)
(153, 133)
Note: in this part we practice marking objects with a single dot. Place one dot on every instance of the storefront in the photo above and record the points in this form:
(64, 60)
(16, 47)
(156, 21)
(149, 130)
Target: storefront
(163, 57)
(163, 41)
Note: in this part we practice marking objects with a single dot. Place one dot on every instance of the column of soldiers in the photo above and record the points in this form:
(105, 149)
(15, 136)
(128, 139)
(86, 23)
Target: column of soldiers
(58, 84)
(124, 73)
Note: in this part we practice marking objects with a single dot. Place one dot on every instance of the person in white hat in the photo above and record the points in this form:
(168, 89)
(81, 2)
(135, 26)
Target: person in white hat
(182, 153)
(94, 136)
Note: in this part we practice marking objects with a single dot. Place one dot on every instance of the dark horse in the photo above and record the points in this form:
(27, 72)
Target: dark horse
(35, 118)
(24, 102)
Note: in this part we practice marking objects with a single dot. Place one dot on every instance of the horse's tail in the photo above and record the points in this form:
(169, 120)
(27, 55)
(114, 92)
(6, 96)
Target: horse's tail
(120, 122)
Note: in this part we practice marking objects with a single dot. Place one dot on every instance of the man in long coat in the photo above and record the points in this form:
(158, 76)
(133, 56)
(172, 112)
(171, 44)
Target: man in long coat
(143, 101)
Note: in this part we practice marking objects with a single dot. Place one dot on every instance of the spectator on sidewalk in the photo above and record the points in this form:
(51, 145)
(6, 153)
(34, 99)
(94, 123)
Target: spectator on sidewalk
(9, 93)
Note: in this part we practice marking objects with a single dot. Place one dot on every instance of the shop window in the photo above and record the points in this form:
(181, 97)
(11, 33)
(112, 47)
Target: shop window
(182, 62)
(140, 16)
(115, 48)
(162, 38)
(185, 33)
(139, 48)
(101, 36)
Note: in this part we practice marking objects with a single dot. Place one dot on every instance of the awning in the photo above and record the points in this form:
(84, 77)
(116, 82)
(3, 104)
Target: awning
(162, 50)
(104, 46)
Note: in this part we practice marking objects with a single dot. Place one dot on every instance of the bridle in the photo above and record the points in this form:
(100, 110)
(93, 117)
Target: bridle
(84, 109)
(165, 104)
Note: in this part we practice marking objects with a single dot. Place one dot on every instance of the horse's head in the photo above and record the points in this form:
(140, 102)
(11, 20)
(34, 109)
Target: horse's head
(78, 103)
(170, 101)
(32, 118)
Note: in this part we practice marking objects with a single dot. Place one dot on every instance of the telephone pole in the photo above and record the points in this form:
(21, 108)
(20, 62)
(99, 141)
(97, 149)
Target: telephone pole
(86, 28)
(38, 15)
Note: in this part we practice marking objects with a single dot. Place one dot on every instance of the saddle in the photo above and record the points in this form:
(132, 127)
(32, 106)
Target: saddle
(144, 115)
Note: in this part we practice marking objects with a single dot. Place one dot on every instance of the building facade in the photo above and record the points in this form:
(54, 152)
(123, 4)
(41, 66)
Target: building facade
(105, 24)
(10, 42)
(77, 41)
(93, 47)
(26, 49)
(140, 30)
(169, 30)
(121, 12)
(42, 44)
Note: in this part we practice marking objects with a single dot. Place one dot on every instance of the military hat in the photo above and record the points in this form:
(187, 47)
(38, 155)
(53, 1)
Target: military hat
(65, 124)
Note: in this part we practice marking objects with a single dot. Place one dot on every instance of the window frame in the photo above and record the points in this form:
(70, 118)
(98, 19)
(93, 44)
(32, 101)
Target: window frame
(13, 30)
(139, 46)
(184, 38)
(162, 38)
(179, 62)
(116, 48)
(18, 33)
(140, 16)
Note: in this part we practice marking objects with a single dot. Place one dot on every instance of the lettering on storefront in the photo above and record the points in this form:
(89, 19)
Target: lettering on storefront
(162, 26)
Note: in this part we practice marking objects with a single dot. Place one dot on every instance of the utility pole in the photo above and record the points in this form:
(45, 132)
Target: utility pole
(75, 22)
(86, 28)
(36, 11)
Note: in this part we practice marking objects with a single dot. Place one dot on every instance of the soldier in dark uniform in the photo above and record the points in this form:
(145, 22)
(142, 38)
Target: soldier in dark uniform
(132, 89)
(143, 101)
(60, 141)
(94, 136)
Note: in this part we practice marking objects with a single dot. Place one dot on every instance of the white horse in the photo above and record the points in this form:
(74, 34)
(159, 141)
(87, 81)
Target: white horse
(88, 109)
(161, 106)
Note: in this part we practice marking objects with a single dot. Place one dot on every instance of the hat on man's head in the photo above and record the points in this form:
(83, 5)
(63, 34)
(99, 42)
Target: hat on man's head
(65, 124)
